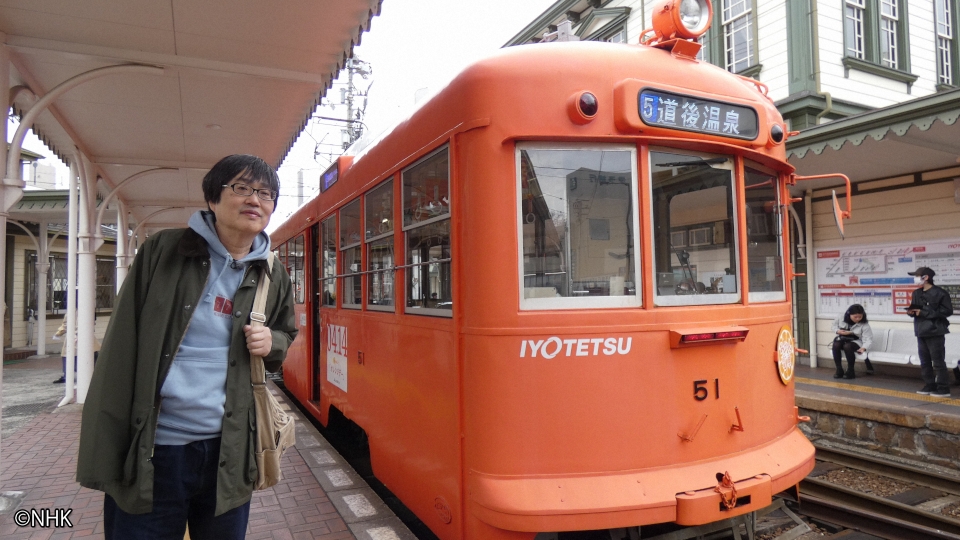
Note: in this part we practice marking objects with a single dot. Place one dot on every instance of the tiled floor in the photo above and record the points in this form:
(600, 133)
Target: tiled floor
(39, 459)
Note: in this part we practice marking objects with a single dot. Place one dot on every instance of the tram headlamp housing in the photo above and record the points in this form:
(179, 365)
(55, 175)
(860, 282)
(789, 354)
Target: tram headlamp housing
(686, 19)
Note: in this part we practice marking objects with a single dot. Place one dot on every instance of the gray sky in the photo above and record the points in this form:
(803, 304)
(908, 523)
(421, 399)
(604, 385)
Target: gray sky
(412, 45)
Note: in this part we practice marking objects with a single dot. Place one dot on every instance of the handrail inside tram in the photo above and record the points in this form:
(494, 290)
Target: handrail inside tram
(387, 269)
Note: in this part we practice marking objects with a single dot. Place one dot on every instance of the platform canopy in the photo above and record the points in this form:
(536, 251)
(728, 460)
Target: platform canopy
(238, 76)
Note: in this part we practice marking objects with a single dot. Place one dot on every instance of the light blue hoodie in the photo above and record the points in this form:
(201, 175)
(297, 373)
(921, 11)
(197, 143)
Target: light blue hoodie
(193, 394)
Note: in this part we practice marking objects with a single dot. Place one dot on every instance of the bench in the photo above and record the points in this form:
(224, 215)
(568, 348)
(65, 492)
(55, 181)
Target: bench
(897, 346)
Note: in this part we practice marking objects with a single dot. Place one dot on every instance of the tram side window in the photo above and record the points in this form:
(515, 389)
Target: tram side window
(351, 251)
(578, 226)
(764, 235)
(378, 214)
(328, 264)
(695, 234)
(296, 261)
(426, 225)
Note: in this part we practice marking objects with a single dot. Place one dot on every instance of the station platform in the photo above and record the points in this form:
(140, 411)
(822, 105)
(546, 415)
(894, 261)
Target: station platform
(320, 496)
(881, 413)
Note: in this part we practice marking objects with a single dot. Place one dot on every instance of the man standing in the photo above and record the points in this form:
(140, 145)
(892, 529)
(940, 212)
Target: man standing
(930, 307)
(167, 430)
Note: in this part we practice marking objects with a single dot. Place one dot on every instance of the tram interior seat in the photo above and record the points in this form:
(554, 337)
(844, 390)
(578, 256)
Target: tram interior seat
(899, 346)
(540, 292)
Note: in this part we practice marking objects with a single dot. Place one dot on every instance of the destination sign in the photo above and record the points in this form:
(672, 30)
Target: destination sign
(688, 113)
(329, 177)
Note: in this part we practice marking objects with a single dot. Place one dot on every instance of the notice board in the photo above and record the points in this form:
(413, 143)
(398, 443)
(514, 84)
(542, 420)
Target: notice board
(875, 276)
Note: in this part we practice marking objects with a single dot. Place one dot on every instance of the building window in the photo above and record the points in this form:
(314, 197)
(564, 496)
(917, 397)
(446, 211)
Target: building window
(426, 226)
(106, 287)
(875, 31)
(945, 42)
(737, 35)
(853, 29)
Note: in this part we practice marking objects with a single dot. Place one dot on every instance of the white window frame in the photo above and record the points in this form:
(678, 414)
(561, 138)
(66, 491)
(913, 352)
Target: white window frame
(762, 297)
(943, 13)
(408, 310)
(732, 26)
(854, 45)
(591, 302)
(702, 299)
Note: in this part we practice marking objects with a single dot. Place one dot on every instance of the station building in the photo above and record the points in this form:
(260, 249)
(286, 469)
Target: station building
(872, 87)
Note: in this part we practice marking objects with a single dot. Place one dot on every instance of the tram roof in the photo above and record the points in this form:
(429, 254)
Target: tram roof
(239, 76)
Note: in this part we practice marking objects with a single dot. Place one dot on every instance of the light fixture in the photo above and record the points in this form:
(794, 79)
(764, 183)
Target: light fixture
(214, 126)
(685, 19)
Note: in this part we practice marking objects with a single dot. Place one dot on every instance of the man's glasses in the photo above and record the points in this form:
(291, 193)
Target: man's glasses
(245, 191)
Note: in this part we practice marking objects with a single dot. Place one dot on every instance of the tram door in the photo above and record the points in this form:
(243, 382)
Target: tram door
(313, 263)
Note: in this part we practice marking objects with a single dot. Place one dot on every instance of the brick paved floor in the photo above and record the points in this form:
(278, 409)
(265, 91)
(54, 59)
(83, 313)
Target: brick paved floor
(40, 460)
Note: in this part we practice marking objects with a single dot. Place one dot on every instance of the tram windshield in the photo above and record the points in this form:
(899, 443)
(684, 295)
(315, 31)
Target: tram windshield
(764, 234)
(578, 221)
(694, 228)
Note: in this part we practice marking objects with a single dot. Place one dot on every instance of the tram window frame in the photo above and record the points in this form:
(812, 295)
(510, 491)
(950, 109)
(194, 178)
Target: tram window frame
(351, 248)
(328, 271)
(299, 275)
(413, 226)
(383, 236)
(754, 229)
(733, 239)
(530, 302)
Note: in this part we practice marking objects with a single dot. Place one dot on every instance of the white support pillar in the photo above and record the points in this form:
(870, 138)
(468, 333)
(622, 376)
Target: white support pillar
(43, 270)
(811, 278)
(122, 230)
(10, 193)
(71, 298)
(86, 279)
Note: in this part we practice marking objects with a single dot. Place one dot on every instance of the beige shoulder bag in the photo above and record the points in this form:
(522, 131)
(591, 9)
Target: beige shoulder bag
(275, 430)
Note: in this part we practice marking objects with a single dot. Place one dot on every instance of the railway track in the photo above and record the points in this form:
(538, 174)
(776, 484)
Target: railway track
(911, 514)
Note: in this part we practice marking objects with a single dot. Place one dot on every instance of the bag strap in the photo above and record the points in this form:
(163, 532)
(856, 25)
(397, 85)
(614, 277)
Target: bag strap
(257, 318)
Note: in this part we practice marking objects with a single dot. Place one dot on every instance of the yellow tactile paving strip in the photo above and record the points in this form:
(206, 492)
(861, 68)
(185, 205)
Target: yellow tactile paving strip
(878, 391)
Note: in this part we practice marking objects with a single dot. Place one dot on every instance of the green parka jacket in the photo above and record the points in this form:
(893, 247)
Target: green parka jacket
(150, 318)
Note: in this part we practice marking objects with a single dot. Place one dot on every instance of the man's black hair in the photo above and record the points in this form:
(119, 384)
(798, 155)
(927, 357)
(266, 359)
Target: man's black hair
(855, 309)
(254, 169)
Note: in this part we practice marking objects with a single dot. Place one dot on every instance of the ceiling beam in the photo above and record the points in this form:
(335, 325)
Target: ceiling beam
(137, 162)
(37, 45)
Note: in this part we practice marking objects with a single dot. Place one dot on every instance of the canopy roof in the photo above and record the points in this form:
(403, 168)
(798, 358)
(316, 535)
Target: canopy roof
(918, 135)
(239, 76)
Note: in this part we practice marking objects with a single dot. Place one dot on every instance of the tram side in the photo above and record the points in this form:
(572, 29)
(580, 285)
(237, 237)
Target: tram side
(549, 321)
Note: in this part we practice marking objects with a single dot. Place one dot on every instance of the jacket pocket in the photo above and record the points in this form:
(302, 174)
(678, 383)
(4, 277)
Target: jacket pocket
(131, 463)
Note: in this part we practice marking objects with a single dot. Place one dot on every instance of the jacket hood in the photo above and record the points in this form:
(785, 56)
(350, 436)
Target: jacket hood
(202, 222)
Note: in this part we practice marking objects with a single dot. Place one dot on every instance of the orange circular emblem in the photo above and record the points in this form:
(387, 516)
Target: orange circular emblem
(786, 354)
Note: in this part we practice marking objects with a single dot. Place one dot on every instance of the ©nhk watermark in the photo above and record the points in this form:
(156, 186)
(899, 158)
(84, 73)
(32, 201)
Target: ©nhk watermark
(553, 346)
(43, 518)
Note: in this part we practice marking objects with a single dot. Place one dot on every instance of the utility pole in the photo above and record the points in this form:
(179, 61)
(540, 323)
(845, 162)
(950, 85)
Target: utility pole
(349, 96)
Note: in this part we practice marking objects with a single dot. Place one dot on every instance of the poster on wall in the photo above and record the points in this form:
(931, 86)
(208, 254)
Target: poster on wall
(875, 276)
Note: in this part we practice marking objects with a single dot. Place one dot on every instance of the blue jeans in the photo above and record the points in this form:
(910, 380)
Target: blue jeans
(933, 367)
(184, 491)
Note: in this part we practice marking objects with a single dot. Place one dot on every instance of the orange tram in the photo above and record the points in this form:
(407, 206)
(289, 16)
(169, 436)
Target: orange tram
(557, 297)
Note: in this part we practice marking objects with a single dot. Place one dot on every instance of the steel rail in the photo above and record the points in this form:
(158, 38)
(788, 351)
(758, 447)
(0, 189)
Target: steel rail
(889, 469)
(876, 523)
(858, 501)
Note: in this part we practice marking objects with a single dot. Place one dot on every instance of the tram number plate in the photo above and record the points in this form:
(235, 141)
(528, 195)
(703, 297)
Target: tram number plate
(701, 389)
(687, 113)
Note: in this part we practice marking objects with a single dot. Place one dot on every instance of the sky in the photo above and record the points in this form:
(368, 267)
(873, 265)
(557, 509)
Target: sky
(413, 45)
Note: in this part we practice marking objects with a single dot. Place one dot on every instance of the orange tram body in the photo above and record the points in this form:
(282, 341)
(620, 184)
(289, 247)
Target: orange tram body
(555, 298)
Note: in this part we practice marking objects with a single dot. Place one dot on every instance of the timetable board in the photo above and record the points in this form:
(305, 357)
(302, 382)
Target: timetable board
(875, 276)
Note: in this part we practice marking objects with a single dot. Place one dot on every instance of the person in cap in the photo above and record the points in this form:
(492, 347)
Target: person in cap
(930, 306)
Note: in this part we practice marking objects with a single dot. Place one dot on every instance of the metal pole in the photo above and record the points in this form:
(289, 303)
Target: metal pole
(86, 280)
(811, 278)
(122, 229)
(70, 343)
(43, 271)
(9, 194)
